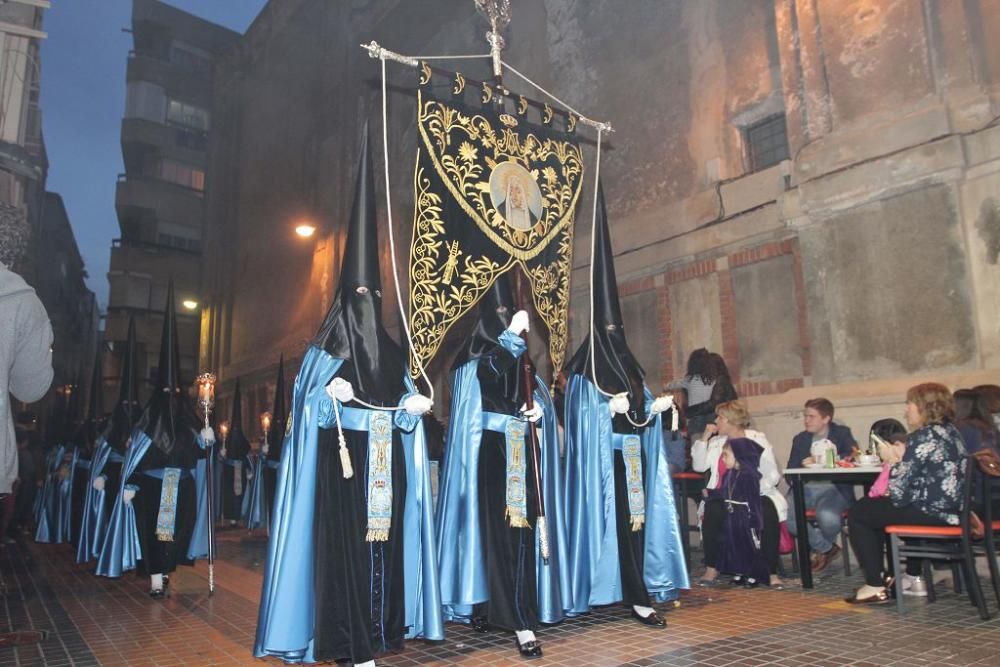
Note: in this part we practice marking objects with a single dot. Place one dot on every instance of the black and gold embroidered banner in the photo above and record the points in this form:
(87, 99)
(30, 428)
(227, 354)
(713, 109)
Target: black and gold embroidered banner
(491, 191)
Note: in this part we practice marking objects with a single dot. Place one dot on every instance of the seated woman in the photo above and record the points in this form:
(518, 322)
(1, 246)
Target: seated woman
(925, 486)
(733, 421)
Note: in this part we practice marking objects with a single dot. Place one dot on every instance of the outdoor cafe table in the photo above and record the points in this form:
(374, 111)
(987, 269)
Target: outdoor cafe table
(797, 479)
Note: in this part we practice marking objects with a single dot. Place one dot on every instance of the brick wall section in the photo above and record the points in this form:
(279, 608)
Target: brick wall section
(727, 304)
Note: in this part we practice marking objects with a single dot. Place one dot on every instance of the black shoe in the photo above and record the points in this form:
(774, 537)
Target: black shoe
(652, 620)
(158, 593)
(750, 582)
(737, 580)
(480, 624)
(532, 649)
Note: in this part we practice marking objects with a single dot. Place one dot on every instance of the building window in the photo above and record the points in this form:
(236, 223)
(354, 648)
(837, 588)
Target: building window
(182, 174)
(172, 241)
(144, 100)
(767, 142)
(187, 115)
(197, 141)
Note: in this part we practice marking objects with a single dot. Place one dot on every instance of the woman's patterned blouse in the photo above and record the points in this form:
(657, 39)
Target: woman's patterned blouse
(932, 472)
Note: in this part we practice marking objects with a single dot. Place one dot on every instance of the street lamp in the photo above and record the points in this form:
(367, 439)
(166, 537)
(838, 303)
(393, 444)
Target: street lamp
(189, 304)
(305, 229)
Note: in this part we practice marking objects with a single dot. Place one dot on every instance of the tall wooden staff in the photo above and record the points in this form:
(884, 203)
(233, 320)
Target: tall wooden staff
(206, 397)
(528, 383)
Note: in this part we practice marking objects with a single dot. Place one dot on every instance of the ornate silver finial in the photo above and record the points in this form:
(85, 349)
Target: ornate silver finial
(498, 13)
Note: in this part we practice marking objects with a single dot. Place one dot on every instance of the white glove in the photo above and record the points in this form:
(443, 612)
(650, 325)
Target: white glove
(619, 404)
(341, 390)
(532, 415)
(249, 475)
(266, 449)
(127, 496)
(661, 404)
(417, 405)
(222, 452)
(208, 435)
(518, 323)
(99, 483)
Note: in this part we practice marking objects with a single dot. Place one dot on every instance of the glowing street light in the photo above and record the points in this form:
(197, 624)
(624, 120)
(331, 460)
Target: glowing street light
(305, 230)
(189, 304)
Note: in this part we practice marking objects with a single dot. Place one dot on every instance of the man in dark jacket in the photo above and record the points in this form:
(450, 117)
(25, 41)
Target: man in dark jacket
(828, 499)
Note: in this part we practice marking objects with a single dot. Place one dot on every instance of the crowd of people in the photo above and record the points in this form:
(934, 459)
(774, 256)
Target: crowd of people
(548, 506)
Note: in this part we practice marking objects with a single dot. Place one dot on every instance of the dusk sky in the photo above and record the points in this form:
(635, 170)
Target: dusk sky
(83, 100)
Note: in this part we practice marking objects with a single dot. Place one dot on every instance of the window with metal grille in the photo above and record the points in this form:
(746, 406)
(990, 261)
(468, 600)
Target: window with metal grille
(767, 142)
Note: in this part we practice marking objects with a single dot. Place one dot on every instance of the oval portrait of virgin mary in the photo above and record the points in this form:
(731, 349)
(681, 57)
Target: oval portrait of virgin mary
(515, 195)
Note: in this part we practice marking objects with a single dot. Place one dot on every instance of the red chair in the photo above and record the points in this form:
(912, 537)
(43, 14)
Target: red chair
(949, 543)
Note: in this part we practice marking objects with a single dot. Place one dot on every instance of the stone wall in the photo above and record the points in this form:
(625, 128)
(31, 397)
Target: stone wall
(864, 262)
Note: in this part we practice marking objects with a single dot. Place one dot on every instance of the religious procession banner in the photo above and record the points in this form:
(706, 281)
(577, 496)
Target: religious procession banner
(491, 191)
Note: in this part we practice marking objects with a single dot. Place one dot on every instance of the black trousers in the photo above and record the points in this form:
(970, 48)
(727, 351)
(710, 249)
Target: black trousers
(509, 552)
(866, 522)
(713, 522)
(631, 543)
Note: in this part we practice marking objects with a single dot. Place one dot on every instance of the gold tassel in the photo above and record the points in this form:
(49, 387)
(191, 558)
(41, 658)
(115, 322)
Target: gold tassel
(378, 530)
(637, 522)
(543, 536)
(516, 519)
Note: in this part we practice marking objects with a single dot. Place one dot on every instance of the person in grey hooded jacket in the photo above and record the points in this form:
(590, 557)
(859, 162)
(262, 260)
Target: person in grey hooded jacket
(25, 361)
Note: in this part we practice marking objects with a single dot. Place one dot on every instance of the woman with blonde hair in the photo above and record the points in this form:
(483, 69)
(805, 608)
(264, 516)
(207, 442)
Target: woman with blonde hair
(925, 487)
(733, 421)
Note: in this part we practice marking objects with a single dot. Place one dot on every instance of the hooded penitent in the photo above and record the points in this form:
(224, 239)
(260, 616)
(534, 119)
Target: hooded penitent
(308, 611)
(620, 504)
(86, 444)
(237, 445)
(109, 454)
(234, 472)
(353, 327)
(488, 496)
(617, 369)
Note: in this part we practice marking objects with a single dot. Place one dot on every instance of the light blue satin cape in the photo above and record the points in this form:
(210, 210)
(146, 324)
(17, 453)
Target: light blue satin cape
(93, 523)
(590, 501)
(47, 509)
(253, 499)
(462, 565)
(285, 624)
(56, 519)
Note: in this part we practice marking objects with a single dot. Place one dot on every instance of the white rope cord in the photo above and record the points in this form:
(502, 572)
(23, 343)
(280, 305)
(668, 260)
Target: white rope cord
(392, 245)
(593, 251)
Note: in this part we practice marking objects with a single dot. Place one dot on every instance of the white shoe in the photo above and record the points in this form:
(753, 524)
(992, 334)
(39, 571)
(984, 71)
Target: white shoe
(915, 586)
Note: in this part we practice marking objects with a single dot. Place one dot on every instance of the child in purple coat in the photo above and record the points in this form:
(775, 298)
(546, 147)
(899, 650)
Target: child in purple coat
(739, 489)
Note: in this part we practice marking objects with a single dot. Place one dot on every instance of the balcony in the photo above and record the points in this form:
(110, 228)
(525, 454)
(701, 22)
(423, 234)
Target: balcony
(135, 196)
(139, 134)
(177, 81)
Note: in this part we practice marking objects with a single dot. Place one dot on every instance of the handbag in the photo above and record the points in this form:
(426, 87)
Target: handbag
(881, 485)
(786, 544)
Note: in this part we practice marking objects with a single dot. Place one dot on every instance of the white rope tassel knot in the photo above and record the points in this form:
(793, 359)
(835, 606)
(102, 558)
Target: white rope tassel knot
(345, 455)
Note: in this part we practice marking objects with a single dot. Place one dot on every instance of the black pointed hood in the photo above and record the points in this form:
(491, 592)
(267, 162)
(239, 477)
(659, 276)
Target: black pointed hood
(125, 412)
(279, 415)
(617, 368)
(237, 445)
(353, 329)
(90, 428)
(496, 308)
(168, 417)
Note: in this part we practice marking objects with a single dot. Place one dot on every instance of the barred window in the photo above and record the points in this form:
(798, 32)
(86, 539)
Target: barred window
(767, 142)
